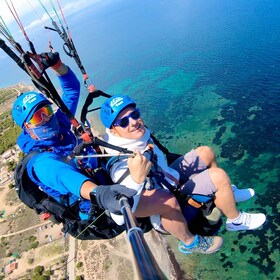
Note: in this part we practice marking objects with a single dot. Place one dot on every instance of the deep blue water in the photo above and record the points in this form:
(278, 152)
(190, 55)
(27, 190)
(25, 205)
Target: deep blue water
(205, 73)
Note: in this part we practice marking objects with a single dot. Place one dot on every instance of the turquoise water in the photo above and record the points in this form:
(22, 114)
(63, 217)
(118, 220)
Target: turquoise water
(203, 73)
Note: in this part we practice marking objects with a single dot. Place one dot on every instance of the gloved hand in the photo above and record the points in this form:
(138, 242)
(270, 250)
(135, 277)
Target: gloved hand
(107, 197)
(50, 59)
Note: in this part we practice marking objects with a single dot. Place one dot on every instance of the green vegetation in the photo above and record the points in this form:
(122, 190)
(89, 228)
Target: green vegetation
(7, 94)
(48, 272)
(39, 273)
(79, 265)
(39, 269)
(11, 165)
(9, 132)
(33, 242)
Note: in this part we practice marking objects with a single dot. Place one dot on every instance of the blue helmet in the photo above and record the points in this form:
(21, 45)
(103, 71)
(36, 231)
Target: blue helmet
(26, 104)
(112, 107)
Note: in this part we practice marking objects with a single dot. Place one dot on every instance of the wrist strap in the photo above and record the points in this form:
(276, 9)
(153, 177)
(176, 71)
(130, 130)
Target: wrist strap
(60, 68)
(57, 65)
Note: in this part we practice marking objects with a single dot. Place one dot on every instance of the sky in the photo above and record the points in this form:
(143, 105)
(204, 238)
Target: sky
(33, 17)
(32, 13)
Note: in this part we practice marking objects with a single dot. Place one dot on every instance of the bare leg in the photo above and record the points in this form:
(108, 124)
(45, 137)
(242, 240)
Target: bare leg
(160, 202)
(224, 198)
(207, 155)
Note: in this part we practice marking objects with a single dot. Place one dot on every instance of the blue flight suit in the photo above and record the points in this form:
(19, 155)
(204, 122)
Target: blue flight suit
(50, 169)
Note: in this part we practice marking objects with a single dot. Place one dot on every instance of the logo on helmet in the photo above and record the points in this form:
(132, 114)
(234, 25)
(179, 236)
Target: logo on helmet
(106, 111)
(30, 98)
(116, 102)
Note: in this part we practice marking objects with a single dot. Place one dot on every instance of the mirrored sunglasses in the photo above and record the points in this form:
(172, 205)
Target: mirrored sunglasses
(124, 122)
(38, 116)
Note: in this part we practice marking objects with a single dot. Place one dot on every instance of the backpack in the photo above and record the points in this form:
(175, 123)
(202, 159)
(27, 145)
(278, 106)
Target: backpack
(32, 196)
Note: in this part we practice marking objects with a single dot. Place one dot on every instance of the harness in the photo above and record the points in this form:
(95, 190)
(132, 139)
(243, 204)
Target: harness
(156, 176)
(196, 208)
(97, 226)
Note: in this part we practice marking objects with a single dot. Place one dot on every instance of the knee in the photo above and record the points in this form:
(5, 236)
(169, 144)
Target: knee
(219, 177)
(173, 202)
(206, 154)
(169, 201)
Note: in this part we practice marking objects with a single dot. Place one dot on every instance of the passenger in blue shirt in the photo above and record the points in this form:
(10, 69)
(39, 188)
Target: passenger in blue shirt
(50, 132)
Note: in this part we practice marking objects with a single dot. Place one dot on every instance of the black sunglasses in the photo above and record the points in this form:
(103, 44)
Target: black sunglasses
(124, 122)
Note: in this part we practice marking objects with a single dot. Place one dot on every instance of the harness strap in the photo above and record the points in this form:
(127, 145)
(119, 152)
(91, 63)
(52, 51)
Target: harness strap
(160, 174)
(125, 174)
(64, 199)
(168, 175)
(160, 178)
(156, 172)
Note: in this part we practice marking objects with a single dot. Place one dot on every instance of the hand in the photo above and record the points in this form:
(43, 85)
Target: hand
(139, 167)
(50, 59)
(107, 197)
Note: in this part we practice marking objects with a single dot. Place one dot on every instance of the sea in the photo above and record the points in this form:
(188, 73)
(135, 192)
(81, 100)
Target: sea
(202, 73)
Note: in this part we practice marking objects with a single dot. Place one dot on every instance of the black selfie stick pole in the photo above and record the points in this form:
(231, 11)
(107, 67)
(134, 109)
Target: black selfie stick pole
(146, 265)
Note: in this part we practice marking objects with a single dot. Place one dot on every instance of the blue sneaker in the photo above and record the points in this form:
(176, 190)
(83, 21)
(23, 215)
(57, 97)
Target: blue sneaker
(202, 244)
(242, 194)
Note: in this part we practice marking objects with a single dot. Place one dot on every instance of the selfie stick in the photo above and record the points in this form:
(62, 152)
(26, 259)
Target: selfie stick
(146, 265)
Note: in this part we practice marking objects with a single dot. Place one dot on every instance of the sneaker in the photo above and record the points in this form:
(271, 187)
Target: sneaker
(202, 244)
(247, 222)
(242, 194)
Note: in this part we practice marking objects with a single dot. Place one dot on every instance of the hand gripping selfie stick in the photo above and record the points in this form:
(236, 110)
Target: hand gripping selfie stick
(146, 265)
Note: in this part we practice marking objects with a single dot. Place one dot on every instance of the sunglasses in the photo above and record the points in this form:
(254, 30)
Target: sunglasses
(39, 116)
(124, 122)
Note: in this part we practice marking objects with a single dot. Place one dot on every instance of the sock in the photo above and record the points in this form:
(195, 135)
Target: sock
(237, 220)
(193, 243)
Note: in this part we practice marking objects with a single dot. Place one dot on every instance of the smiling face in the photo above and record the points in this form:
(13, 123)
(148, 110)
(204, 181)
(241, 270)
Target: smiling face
(135, 128)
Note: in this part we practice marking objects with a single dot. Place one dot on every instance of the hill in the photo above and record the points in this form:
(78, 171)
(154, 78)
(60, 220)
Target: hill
(9, 131)
(8, 95)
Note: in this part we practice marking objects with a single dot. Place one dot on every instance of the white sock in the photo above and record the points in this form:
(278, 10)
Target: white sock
(237, 220)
